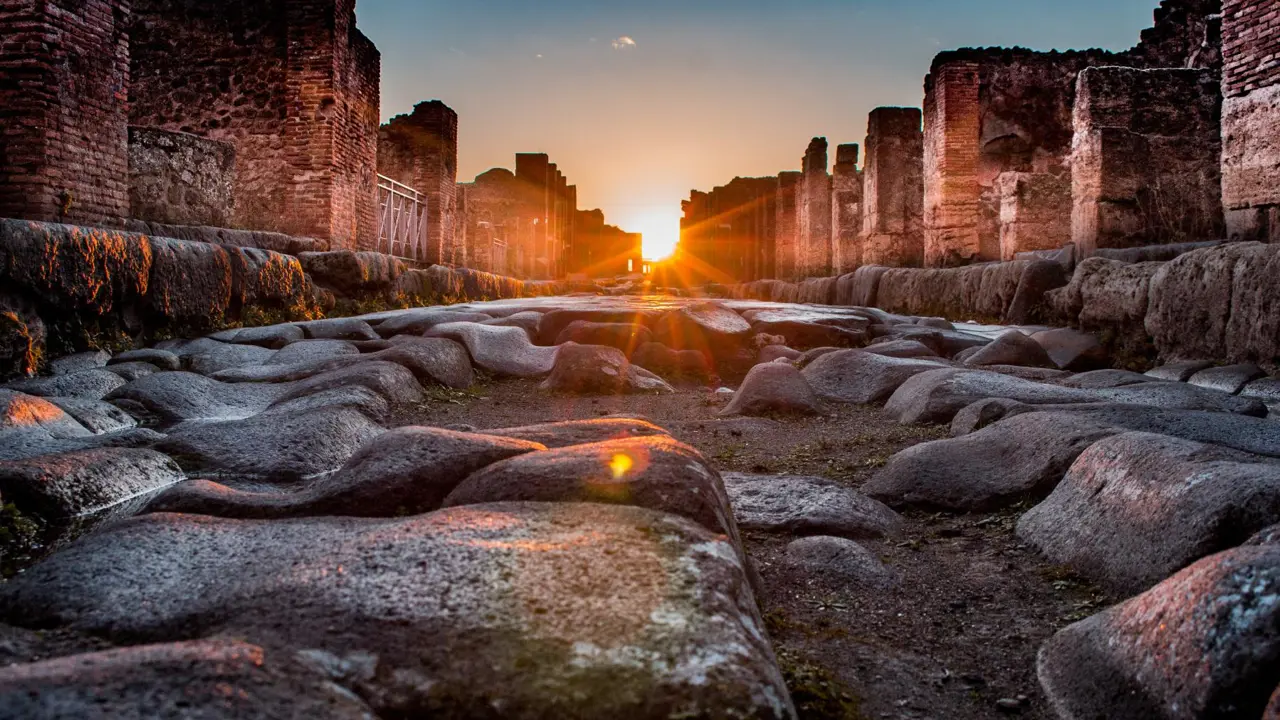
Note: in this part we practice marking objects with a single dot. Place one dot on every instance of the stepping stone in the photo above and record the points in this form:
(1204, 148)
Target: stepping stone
(774, 388)
(85, 384)
(839, 560)
(857, 376)
(72, 364)
(1200, 644)
(175, 396)
(630, 612)
(417, 322)
(623, 336)
(404, 471)
(807, 506)
(1012, 348)
(199, 678)
(85, 482)
(1230, 379)
(581, 432)
(95, 415)
(658, 473)
(504, 351)
(1179, 371)
(599, 370)
(161, 359)
(276, 447)
(1137, 507)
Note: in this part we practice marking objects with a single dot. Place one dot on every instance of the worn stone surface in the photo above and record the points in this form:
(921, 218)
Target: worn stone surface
(937, 395)
(311, 350)
(71, 364)
(84, 482)
(418, 321)
(96, 416)
(902, 349)
(861, 377)
(599, 370)
(1203, 643)
(176, 396)
(774, 388)
(577, 586)
(1179, 371)
(1012, 348)
(1073, 350)
(707, 327)
(839, 559)
(162, 359)
(807, 506)
(92, 384)
(1136, 508)
(623, 336)
(1229, 379)
(1100, 379)
(500, 350)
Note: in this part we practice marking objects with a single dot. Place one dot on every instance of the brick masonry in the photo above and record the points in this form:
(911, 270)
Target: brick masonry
(292, 84)
(420, 149)
(892, 229)
(1144, 164)
(952, 117)
(180, 179)
(846, 210)
(786, 223)
(1031, 216)
(1251, 119)
(64, 77)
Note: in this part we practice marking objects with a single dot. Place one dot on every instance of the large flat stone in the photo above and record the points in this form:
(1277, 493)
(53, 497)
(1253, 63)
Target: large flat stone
(175, 396)
(504, 351)
(936, 396)
(84, 482)
(806, 506)
(863, 377)
(93, 384)
(543, 610)
(1012, 348)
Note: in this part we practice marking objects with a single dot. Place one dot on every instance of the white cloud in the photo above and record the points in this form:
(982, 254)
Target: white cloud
(624, 43)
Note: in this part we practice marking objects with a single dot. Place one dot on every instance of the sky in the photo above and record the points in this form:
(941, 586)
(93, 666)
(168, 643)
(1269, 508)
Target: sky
(641, 102)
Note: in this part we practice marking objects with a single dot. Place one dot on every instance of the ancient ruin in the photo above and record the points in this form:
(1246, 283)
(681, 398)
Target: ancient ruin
(976, 417)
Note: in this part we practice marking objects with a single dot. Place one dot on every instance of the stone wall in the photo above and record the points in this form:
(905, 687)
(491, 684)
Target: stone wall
(180, 179)
(488, 217)
(1031, 212)
(1145, 159)
(64, 77)
(787, 223)
(813, 251)
(292, 84)
(420, 149)
(952, 120)
(892, 231)
(1251, 119)
(846, 210)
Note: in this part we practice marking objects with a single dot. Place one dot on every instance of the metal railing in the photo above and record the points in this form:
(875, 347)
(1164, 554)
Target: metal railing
(402, 220)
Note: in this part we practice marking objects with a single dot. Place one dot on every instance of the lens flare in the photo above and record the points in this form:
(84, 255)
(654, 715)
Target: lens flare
(621, 465)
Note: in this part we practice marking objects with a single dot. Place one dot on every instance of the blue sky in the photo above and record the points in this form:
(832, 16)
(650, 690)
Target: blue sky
(703, 90)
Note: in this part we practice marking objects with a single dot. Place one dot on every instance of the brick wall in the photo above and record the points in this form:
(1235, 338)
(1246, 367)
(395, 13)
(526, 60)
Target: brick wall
(846, 210)
(1251, 119)
(1145, 158)
(64, 76)
(952, 122)
(291, 84)
(787, 223)
(180, 179)
(420, 149)
(892, 229)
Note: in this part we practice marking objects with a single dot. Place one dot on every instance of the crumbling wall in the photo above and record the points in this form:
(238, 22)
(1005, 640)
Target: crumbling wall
(813, 253)
(846, 210)
(180, 179)
(727, 234)
(420, 149)
(292, 84)
(892, 232)
(64, 76)
(1031, 216)
(1251, 119)
(1144, 162)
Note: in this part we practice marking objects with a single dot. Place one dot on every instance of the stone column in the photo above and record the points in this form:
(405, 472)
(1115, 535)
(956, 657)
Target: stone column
(64, 99)
(813, 257)
(892, 228)
(788, 224)
(1251, 119)
(951, 190)
(846, 210)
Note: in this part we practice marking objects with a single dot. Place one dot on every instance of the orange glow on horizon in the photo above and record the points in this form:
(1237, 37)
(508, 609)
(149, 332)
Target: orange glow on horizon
(661, 230)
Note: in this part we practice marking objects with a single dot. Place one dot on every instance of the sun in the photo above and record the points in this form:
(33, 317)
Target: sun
(661, 232)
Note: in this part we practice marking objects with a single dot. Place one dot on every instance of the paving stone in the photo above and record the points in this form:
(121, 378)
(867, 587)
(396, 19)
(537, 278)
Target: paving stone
(769, 353)
(554, 322)
(1179, 371)
(390, 380)
(628, 612)
(161, 359)
(600, 370)
(21, 412)
(813, 334)
(95, 415)
(1035, 374)
(1012, 348)
(270, 336)
(418, 321)
(338, 329)
(774, 388)
(527, 321)
(856, 376)
(311, 350)
(672, 364)
(193, 679)
(902, 349)
(131, 371)
(1266, 390)
(807, 506)
(1204, 643)
(708, 327)
(936, 396)
(223, 356)
(1137, 507)
(1229, 379)
(840, 560)
(175, 396)
(84, 482)
(79, 362)
(1184, 397)
(504, 351)
(86, 385)
(1101, 379)
(623, 336)
(581, 432)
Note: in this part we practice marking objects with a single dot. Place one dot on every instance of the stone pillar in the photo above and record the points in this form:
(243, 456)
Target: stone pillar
(533, 173)
(813, 256)
(1145, 158)
(846, 210)
(788, 224)
(1251, 119)
(1031, 216)
(64, 84)
(420, 149)
(892, 229)
(952, 193)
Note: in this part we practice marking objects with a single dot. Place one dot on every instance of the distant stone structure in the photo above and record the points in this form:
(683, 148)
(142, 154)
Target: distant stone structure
(813, 250)
(420, 149)
(787, 223)
(602, 250)
(727, 235)
(892, 232)
(846, 209)
(1251, 119)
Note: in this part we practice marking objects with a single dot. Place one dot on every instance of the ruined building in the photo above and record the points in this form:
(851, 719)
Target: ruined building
(813, 212)
(1251, 120)
(846, 210)
(602, 250)
(727, 234)
(283, 96)
(420, 149)
(893, 190)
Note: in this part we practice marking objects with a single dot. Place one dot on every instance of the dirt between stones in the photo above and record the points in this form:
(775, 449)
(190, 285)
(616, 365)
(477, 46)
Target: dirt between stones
(956, 638)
